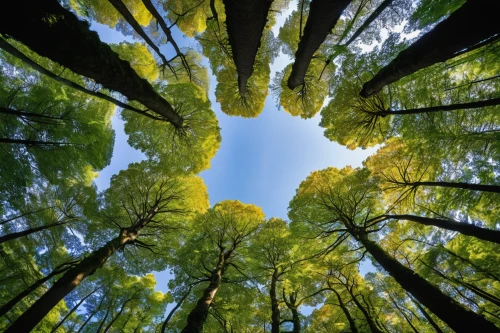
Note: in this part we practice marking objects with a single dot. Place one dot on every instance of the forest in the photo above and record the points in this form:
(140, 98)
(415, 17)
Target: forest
(419, 80)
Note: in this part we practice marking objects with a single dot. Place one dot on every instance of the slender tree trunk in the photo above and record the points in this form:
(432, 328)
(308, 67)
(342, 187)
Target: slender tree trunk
(196, 318)
(103, 321)
(15, 235)
(69, 281)
(275, 309)
(440, 108)
(468, 25)
(125, 322)
(477, 268)
(117, 315)
(426, 315)
(373, 16)
(443, 306)
(127, 15)
(352, 324)
(10, 304)
(369, 320)
(323, 16)
(403, 313)
(59, 35)
(73, 309)
(463, 228)
(465, 186)
(245, 20)
(25, 114)
(21, 56)
(25, 214)
(472, 82)
(97, 309)
(177, 306)
(33, 142)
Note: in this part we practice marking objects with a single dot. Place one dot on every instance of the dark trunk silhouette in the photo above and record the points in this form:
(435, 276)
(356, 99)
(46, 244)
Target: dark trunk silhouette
(59, 35)
(117, 315)
(93, 313)
(10, 304)
(21, 56)
(73, 309)
(25, 214)
(31, 143)
(467, 26)
(103, 321)
(177, 306)
(465, 186)
(30, 115)
(275, 308)
(393, 301)
(323, 15)
(440, 108)
(369, 320)
(245, 21)
(196, 318)
(477, 268)
(489, 235)
(127, 15)
(443, 306)
(293, 304)
(342, 305)
(15, 235)
(373, 16)
(426, 315)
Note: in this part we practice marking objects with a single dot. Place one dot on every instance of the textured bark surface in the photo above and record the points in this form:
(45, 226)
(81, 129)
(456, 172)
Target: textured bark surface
(467, 26)
(275, 308)
(446, 308)
(426, 315)
(489, 235)
(69, 281)
(323, 15)
(196, 318)
(59, 35)
(245, 20)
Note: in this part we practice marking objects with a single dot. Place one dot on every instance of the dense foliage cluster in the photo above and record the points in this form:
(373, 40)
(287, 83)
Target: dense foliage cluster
(418, 79)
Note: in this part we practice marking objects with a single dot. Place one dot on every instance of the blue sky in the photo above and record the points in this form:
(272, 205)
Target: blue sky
(260, 161)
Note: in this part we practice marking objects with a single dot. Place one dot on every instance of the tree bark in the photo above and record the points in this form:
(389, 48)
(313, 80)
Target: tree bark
(426, 315)
(198, 315)
(465, 186)
(69, 281)
(59, 35)
(15, 235)
(9, 305)
(275, 309)
(463, 228)
(245, 20)
(467, 26)
(443, 306)
(127, 15)
(73, 309)
(352, 324)
(323, 15)
(440, 108)
(21, 56)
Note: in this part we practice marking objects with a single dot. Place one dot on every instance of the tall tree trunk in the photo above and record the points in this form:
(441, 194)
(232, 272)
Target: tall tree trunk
(10, 304)
(465, 186)
(15, 235)
(73, 309)
(25, 114)
(117, 315)
(275, 309)
(369, 320)
(323, 15)
(440, 108)
(443, 306)
(426, 315)
(97, 309)
(103, 321)
(21, 56)
(467, 26)
(245, 20)
(342, 305)
(463, 228)
(25, 214)
(196, 318)
(127, 15)
(33, 142)
(69, 281)
(403, 313)
(373, 16)
(59, 35)
(171, 313)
